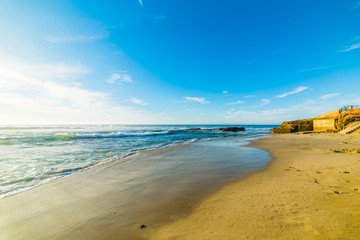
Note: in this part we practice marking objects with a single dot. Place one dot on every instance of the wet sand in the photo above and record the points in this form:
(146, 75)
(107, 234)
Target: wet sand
(309, 191)
(112, 201)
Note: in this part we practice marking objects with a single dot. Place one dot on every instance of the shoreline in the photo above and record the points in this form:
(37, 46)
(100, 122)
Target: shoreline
(128, 157)
(116, 198)
(309, 191)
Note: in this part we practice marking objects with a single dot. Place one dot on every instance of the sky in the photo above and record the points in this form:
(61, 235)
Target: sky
(177, 62)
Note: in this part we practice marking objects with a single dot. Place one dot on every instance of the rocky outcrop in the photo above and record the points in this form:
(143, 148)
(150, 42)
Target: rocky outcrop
(295, 126)
(333, 121)
(346, 118)
(232, 129)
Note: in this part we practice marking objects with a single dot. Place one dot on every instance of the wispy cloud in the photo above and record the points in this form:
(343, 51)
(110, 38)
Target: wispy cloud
(352, 47)
(141, 3)
(328, 96)
(232, 114)
(317, 68)
(259, 116)
(158, 17)
(265, 102)
(53, 70)
(252, 61)
(235, 103)
(137, 101)
(119, 78)
(297, 90)
(67, 38)
(225, 92)
(357, 5)
(276, 115)
(196, 99)
(248, 96)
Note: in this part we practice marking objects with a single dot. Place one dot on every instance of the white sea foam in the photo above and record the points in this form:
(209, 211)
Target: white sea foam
(32, 155)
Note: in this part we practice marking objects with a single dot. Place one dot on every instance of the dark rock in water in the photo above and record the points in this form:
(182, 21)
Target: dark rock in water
(232, 129)
(193, 129)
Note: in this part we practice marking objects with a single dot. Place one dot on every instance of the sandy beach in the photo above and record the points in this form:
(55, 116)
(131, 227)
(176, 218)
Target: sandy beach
(309, 191)
(179, 120)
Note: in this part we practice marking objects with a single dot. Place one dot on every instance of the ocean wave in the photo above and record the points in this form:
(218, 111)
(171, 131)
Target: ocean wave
(59, 151)
(108, 135)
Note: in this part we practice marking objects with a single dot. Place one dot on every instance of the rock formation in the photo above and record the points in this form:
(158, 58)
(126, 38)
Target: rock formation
(295, 126)
(232, 129)
(331, 121)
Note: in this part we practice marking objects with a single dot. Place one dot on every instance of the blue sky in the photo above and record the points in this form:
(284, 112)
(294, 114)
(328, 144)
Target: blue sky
(177, 62)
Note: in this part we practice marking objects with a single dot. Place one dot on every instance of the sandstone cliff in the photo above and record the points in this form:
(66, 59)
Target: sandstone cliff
(295, 126)
(330, 121)
(345, 118)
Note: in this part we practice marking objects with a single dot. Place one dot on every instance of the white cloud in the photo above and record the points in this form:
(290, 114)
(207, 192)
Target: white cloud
(141, 3)
(317, 68)
(248, 96)
(25, 99)
(225, 92)
(67, 38)
(327, 96)
(352, 47)
(119, 78)
(196, 99)
(63, 69)
(265, 102)
(54, 71)
(297, 90)
(232, 114)
(235, 103)
(137, 101)
(349, 100)
(277, 115)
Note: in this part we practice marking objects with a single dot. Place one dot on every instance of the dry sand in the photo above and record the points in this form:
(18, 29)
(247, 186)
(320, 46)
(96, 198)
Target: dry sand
(309, 191)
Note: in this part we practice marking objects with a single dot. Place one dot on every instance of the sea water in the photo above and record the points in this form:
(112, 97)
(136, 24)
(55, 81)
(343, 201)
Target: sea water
(32, 155)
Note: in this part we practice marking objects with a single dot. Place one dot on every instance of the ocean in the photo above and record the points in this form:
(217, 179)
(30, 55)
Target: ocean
(32, 155)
